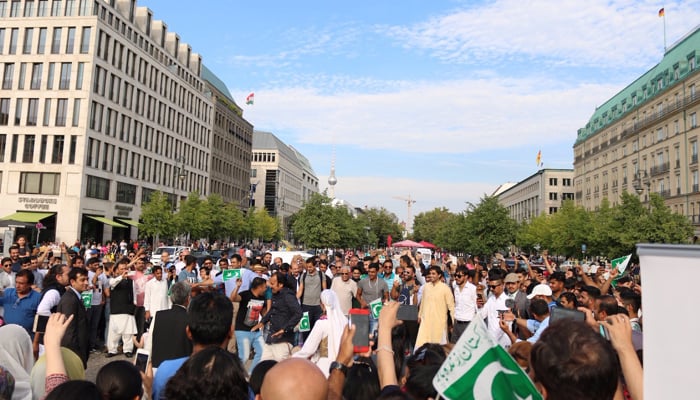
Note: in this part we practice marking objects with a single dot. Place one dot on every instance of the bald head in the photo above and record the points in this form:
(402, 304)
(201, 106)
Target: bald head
(284, 379)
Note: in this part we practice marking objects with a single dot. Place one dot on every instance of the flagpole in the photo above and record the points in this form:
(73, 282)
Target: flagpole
(664, 17)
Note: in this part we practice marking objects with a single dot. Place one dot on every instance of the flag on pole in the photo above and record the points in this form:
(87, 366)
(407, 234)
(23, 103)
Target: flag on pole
(479, 368)
(621, 263)
(539, 158)
(661, 12)
(250, 99)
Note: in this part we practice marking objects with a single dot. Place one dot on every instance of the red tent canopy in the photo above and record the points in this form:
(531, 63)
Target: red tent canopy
(429, 245)
(407, 243)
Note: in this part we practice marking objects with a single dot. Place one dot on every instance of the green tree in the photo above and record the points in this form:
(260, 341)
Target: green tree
(536, 233)
(192, 217)
(429, 225)
(315, 225)
(266, 227)
(571, 224)
(225, 220)
(489, 226)
(157, 217)
(381, 223)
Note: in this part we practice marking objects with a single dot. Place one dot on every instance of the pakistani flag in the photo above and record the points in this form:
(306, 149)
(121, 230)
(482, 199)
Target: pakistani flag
(304, 322)
(234, 274)
(375, 307)
(479, 368)
(86, 296)
(621, 263)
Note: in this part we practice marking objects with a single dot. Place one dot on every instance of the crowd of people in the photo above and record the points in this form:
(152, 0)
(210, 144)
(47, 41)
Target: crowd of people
(247, 327)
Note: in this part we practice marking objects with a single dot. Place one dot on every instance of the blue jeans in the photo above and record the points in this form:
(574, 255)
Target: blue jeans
(244, 339)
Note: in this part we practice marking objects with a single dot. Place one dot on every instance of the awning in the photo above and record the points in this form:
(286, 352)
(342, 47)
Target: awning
(108, 221)
(129, 222)
(26, 216)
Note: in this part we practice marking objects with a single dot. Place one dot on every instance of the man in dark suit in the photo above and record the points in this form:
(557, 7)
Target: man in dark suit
(76, 337)
(169, 337)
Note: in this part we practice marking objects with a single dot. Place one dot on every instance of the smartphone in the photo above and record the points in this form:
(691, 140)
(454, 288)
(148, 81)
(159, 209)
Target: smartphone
(360, 318)
(141, 360)
(407, 313)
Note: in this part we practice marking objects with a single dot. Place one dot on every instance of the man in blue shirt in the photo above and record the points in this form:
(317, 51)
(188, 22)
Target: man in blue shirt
(210, 316)
(21, 302)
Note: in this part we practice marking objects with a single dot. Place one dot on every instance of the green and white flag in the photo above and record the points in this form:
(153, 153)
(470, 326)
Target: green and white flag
(232, 274)
(86, 296)
(621, 263)
(478, 368)
(304, 322)
(375, 307)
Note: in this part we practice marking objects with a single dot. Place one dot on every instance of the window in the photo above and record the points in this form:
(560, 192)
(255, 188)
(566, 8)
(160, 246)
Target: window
(76, 112)
(47, 111)
(79, 77)
(2, 40)
(566, 181)
(97, 188)
(70, 43)
(553, 195)
(32, 112)
(9, 70)
(43, 8)
(3, 8)
(4, 111)
(83, 7)
(694, 120)
(42, 148)
(660, 134)
(41, 46)
(56, 43)
(70, 8)
(61, 111)
(552, 210)
(85, 40)
(28, 152)
(29, 8)
(126, 193)
(18, 112)
(64, 83)
(27, 44)
(49, 78)
(37, 68)
(39, 183)
(73, 147)
(14, 33)
(22, 73)
(14, 9)
(57, 154)
(3, 145)
(13, 149)
(56, 7)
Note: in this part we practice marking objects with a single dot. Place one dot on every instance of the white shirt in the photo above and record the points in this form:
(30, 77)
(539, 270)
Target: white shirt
(465, 301)
(490, 312)
(345, 291)
(49, 301)
(102, 282)
(156, 296)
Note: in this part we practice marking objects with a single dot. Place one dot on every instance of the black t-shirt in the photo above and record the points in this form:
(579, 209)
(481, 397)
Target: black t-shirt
(249, 310)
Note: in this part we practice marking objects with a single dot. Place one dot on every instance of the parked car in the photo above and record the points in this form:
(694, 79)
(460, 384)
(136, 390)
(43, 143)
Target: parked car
(174, 252)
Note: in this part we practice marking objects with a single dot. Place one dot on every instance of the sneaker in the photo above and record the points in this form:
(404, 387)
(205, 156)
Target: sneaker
(128, 355)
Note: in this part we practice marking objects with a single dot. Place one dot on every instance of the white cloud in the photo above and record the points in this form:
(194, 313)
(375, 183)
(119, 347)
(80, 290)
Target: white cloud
(627, 33)
(436, 117)
(361, 191)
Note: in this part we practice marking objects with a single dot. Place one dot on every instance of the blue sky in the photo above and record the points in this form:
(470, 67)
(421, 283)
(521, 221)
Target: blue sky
(443, 100)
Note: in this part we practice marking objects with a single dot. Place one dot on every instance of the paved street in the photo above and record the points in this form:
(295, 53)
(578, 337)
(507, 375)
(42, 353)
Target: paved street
(97, 361)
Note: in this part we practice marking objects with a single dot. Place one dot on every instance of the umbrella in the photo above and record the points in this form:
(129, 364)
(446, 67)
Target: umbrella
(406, 243)
(429, 245)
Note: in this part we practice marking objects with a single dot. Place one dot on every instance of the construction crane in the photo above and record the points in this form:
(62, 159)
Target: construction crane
(409, 203)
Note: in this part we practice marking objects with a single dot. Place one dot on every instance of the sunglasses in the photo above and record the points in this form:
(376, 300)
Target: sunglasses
(344, 273)
(459, 275)
(494, 286)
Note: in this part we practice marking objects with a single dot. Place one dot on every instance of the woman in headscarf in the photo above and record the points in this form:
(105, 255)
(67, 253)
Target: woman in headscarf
(329, 327)
(72, 363)
(16, 356)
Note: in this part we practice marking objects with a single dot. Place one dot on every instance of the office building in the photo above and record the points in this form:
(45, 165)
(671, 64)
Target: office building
(645, 138)
(541, 193)
(100, 106)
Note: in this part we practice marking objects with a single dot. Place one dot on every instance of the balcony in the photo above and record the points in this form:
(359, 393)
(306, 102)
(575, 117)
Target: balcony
(659, 169)
(665, 193)
(694, 159)
(694, 219)
(696, 188)
(678, 164)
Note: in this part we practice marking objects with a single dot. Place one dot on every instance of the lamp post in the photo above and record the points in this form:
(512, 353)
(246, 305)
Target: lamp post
(639, 187)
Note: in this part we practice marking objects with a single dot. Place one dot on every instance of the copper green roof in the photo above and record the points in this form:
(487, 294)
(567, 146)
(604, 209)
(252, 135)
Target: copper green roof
(210, 77)
(648, 86)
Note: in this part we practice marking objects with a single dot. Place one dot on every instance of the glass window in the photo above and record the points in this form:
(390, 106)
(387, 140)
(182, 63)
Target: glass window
(97, 188)
(22, 73)
(2, 40)
(43, 8)
(42, 149)
(42, 41)
(3, 8)
(32, 112)
(3, 145)
(39, 183)
(14, 33)
(49, 79)
(85, 40)
(76, 112)
(57, 155)
(4, 111)
(70, 8)
(28, 8)
(56, 43)
(9, 70)
(79, 77)
(18, 111)
(61, 110)
(28, 152)
(73, 147)
(47, 111)
(70, 43)
(56, 6)
(36, 76)
(126, 193)
(14, 10)
(27, 45)
(64, 83)
(83, 7)
(13, 149)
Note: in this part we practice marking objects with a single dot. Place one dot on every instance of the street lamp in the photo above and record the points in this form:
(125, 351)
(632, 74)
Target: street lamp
(640, 189)
(181, 174)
